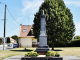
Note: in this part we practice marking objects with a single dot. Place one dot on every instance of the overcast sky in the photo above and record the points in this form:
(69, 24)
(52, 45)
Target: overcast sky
(23, 13)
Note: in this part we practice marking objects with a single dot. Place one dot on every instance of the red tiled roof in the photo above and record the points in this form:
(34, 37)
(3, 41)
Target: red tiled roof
(25, 27)
(13, 41)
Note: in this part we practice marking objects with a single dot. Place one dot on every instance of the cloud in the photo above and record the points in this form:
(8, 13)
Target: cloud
(19, 18)
(30, 6)
(76, 3)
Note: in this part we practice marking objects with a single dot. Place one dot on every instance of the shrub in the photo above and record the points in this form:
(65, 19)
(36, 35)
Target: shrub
(47, 54)
(53, 52)
(26, 54)
(75, 43)
(37, 54)
(57, 54)
(32, 53)
(50, 53)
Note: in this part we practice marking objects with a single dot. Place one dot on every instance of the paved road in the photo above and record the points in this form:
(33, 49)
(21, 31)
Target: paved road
(18, 57)
(6, 48)
(1, 47)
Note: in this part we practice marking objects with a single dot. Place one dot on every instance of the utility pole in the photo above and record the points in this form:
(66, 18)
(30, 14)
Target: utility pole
(4, 27)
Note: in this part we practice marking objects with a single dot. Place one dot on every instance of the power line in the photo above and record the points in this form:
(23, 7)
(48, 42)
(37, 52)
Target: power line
(9, 26)
(11, 29)
(12, 16)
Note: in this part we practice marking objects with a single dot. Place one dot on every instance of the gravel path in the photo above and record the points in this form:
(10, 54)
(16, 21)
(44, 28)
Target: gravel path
(18, 57)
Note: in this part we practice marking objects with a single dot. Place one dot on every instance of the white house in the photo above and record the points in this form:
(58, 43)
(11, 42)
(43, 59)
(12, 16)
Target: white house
(26, 37)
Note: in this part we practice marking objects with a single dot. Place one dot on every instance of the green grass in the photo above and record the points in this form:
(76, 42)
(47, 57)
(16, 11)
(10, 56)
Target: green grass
(17, 51)
(68, 51)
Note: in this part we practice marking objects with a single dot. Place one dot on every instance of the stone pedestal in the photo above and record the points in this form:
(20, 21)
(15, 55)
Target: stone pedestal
(42, 50)
(41, 58)
(43, 47)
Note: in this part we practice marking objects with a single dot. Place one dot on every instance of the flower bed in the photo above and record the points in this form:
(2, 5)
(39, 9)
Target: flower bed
(52, 54)
(48, 54)
(31, 54)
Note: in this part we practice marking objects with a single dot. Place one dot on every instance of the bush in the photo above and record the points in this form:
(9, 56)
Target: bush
(26, 55)
(32, 53)
(72, 43)
(57, 54)
(47, 54)
(52, 53)
(75, 43)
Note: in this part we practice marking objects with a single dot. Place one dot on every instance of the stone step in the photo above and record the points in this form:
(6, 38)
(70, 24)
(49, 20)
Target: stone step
(41, 56)
(43, 46)
(42, 49)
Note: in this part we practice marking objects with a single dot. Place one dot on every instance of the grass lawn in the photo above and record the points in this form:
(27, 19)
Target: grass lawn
(69, 51)
(16, 51)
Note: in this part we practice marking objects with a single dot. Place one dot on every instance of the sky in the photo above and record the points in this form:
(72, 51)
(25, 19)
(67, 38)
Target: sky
(22, 12)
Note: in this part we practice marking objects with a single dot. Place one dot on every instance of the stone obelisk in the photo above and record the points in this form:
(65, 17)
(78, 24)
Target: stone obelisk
(43, 35)
(43, 47)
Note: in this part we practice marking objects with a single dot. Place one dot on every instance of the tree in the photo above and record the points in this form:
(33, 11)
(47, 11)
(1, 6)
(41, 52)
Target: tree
(8, 40)
(15, 37)
(1, 41)
(59, 21)
(77, 37)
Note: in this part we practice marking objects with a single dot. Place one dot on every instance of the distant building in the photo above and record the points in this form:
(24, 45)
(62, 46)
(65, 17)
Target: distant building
(26, 38)
(13, 41)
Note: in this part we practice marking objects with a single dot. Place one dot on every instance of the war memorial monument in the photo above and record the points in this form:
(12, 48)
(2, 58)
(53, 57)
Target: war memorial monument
(43, 48)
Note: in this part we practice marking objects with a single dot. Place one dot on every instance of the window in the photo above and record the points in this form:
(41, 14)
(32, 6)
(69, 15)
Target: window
(24, 30)
(34, 43)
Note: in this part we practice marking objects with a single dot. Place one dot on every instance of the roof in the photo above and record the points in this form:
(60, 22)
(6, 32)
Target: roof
(27, 30)
(13, 41)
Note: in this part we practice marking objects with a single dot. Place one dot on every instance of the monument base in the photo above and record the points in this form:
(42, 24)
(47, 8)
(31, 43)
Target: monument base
(41, 58)
(42, 50)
